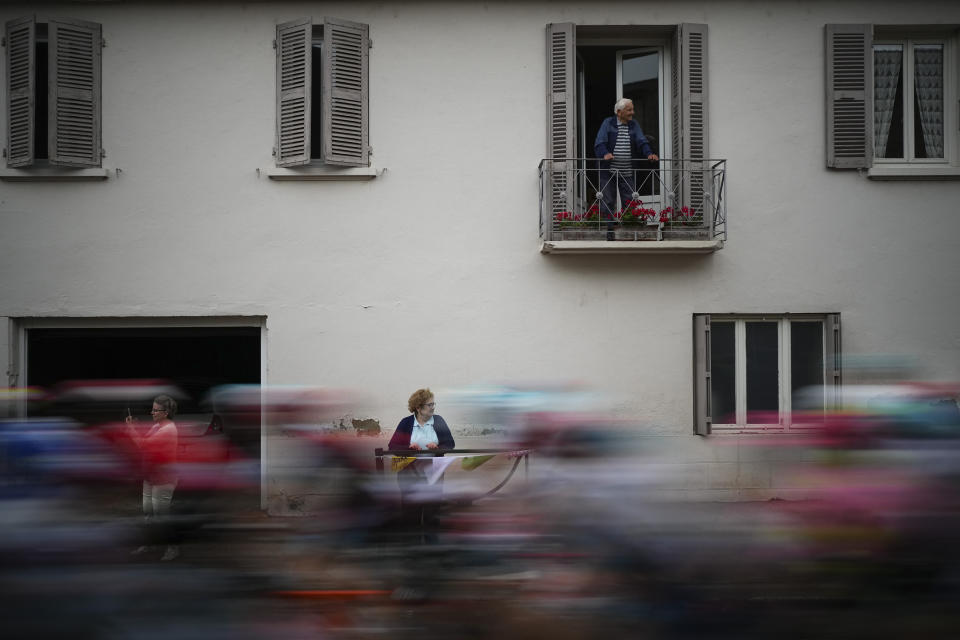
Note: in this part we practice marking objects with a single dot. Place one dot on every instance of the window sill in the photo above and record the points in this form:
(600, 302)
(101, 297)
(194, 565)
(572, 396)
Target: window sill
(53, 174)
(321, 173)
(915, 172)
(640, 246)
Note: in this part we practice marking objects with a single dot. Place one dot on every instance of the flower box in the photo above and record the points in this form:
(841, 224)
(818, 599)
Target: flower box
(582, 233)
(635, 232)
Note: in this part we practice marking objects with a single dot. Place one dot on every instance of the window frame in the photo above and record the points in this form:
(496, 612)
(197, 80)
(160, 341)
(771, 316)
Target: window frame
(704, 423)
(849, 108)
(662, 45)
(908, 40)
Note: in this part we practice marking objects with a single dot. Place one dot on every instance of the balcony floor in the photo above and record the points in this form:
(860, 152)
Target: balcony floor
(621, 247)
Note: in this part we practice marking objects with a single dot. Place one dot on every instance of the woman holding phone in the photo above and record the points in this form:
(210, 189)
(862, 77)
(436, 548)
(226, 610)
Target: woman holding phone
(159, 449)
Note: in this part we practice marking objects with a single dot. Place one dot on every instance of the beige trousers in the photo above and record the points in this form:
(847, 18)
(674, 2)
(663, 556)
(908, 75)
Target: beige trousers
(157, 498)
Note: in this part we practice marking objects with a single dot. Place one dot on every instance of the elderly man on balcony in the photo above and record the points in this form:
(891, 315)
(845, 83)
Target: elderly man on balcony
(619, 145)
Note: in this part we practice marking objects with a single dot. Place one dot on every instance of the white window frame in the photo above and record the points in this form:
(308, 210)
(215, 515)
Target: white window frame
(659, 44)
(950, 81)
(664, 88)
(784, 362)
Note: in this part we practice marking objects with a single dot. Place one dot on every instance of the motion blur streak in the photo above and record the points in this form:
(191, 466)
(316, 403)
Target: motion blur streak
(556, 521)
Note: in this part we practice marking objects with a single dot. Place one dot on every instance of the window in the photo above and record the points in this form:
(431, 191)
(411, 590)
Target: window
(663, 69)
(887, 95)
(908, 109)
(322, 93)
(634, 69)
(758, 373)
(53, 93)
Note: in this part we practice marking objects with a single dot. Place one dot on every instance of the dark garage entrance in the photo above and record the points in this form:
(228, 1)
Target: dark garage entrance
(195, 359)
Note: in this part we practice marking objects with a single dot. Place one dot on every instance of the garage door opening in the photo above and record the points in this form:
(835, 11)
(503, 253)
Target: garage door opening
(193, 359)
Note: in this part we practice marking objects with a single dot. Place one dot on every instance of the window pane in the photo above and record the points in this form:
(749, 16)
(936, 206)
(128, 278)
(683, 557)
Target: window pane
(763, 373)
(888, 100)
(640, 74)
(641, 83)
(806, 360)
(723, 404)
(928, 100)
(316, 103)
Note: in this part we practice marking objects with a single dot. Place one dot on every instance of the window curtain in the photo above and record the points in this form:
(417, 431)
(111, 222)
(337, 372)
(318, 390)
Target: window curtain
(887, 64)
(928, 81)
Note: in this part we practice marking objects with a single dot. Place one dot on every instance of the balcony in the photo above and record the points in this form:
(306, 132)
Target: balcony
(675, 206)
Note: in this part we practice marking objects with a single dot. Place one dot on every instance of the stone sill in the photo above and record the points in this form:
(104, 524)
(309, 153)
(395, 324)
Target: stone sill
(53, 174)
(913, 172)
(639, 246)
(321, 173)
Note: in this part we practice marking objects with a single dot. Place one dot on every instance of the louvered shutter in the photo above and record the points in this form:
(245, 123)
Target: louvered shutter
(702, 383)
(21, 90)
(832, 361)
(294, 69)
(849, 95)
(345, 65)
(561, 118)
(74, 93)
(692, 44)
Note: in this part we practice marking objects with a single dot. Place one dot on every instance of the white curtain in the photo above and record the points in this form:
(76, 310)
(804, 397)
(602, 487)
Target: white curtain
(928, 76)
(887, 64)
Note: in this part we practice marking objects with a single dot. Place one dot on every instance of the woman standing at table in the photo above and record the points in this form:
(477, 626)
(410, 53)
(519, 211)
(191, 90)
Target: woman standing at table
(423, 430)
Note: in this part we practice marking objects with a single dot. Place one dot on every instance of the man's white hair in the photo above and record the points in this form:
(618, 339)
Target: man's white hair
(621, 103)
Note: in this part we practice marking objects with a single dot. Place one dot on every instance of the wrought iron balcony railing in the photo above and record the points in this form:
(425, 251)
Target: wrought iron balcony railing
(669, 200)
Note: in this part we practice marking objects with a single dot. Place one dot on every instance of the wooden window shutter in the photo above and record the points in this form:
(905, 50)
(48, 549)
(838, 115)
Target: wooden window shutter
(702, 383)
(21, 37)
(676, 137)
(832, 361)
(691, 42)
(74, 93)
(294, 69)
(561, 117)
(849, 92)
(345, 78)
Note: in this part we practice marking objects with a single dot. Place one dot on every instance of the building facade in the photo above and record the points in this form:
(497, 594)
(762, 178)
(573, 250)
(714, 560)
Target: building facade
(372, 192)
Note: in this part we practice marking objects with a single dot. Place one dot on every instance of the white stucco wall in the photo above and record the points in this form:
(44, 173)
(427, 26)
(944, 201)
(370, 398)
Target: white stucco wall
(430, 274)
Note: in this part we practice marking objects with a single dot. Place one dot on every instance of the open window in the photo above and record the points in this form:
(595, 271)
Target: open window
(608, 72)
(663, 70)
(53, 93)
(322, 93)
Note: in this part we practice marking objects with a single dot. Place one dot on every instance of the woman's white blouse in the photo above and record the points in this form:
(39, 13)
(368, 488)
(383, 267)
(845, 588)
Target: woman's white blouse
(422, 435)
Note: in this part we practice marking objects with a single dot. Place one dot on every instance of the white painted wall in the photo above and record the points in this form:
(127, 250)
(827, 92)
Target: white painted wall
(430, 274)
